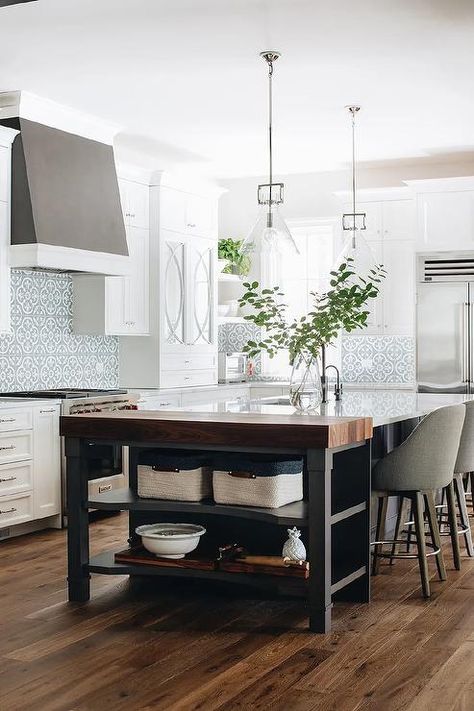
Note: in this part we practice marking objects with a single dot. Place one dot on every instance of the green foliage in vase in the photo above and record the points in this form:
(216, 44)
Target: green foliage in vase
(343, 307)
(231, 250)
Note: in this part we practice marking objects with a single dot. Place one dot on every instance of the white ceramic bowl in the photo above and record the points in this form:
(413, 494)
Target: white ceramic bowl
(170, 540)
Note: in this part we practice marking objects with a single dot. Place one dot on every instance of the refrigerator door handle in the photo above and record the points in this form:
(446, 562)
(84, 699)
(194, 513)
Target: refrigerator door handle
(465, 342)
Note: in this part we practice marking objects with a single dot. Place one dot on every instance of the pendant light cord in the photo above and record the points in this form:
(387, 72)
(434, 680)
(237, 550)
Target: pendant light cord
(353, 168)
(270, 127)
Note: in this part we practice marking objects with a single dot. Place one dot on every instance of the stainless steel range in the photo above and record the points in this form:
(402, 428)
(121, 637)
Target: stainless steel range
(108, 464)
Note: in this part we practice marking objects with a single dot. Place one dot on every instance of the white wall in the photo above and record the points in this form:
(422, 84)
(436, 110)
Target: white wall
(310, 195)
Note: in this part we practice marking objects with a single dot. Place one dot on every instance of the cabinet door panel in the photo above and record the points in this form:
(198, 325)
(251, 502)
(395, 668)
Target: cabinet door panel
(172, 210)
(138, 205)
(373, 219)
(399, 219)
(137, 294)
(4, 267)
(201, 293)
(198, 216)
(173, 265)
(446, 220)
(399, 287)
(46, 462)
(5, 154)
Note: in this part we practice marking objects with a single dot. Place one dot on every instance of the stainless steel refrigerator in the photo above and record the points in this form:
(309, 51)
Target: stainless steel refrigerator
(445, 328)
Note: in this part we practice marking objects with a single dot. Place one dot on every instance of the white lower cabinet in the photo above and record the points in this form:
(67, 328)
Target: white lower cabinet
(30, 464)
(46, 462)
(15, 509)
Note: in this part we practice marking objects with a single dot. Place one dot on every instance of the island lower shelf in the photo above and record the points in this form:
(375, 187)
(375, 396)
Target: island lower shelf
(105, 564)
(295, 514)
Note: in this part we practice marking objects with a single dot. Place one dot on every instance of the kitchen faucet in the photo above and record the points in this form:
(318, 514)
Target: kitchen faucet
(338, 385)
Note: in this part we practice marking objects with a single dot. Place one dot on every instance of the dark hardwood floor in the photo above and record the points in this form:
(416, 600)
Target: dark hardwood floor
(176, 646)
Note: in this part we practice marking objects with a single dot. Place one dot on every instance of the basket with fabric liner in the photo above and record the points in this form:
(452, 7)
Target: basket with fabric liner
(258, 481)
(174, 475)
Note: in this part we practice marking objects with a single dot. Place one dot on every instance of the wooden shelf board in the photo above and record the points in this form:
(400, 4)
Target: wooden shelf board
(294, 514)
(105, 564)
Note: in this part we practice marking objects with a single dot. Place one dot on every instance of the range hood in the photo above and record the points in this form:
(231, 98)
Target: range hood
(65, 209)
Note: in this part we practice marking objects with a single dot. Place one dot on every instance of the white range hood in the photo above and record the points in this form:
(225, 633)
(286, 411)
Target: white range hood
(66, 211)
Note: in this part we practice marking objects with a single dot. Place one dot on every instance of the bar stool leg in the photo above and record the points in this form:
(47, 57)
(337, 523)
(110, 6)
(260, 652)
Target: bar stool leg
(471, 478)
(462, 506)
(380, 533)
(453, 524)
(421, 541)
(434, 532)
(401, 518)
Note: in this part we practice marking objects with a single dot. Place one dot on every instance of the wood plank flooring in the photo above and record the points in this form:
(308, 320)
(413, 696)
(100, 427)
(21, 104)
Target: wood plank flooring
(176, 646)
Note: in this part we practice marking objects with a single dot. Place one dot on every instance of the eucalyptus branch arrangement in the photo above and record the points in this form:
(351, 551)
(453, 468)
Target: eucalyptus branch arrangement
(343, 307)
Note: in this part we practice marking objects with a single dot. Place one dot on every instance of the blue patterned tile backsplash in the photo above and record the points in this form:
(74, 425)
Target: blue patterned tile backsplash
(378, 359)
(42, 351)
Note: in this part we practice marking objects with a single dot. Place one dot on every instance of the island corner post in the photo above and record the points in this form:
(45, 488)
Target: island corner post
(336, 518)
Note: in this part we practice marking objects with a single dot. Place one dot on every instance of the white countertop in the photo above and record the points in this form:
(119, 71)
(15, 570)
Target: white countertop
(384, 406)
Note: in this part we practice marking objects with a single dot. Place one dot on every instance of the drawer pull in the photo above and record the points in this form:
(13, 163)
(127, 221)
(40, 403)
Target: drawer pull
(164, 404)
(7, 419)
(44, 412)
(9, 478)
(191, 224)
(10, 446)
(7, 511)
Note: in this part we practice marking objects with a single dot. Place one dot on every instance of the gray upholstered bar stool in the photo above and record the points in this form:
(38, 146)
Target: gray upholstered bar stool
(415, 470)
(464, 467)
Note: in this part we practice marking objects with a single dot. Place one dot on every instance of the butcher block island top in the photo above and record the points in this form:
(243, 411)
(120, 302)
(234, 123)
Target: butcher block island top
(223, 428)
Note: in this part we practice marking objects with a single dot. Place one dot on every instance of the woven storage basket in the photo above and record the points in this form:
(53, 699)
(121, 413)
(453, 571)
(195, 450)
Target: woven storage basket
(264, 482)
(179, 476)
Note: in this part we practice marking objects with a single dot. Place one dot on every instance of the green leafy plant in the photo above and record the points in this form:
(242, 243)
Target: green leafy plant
(231, 250)
(343, 307)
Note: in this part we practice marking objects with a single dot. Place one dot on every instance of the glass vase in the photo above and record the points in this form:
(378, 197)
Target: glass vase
(305, 383)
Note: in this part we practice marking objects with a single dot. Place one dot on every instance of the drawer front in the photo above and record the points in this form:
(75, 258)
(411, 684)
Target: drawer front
(16, 446)
(16, 478)
(188, 362)
(189, 378)
(157, 403)
(15, 419)
(109, 483)
(15, 509)
(213, 396)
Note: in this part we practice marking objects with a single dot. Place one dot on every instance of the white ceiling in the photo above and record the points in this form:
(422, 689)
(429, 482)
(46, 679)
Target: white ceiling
(185, 79)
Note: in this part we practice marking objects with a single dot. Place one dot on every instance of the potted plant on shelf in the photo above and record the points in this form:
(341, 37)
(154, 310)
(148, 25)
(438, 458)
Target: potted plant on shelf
(343, 307)
(232, 258)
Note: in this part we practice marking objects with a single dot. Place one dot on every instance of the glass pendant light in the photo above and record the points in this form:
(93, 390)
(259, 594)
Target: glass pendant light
(270, 239)
(354, 223)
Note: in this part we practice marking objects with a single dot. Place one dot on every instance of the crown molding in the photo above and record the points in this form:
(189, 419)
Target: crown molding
(29, 106)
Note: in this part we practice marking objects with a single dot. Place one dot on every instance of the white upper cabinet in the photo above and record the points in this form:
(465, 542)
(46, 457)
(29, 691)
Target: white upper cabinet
(4, 267)
(5, 159)
(172, 210)
(119, 306)
(6, 139)
(445, 213)
(202, 282)
(127, 302)
(398, 219)
(135, 203)
(174, 287)
(187, 213)
(391, 234)
(188, 293)
(399, 287)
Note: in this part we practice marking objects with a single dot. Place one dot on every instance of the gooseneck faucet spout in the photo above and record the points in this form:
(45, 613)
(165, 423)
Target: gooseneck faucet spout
(338, 385)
